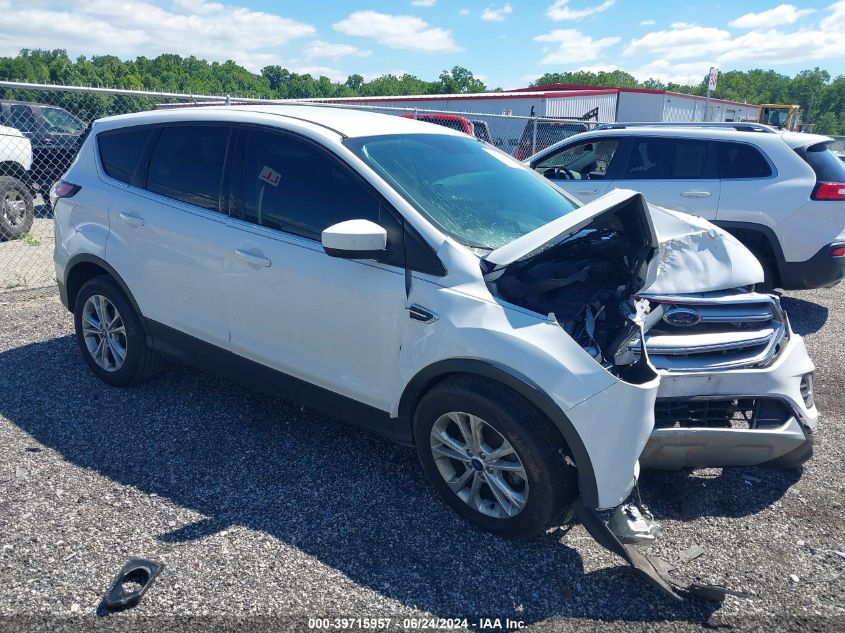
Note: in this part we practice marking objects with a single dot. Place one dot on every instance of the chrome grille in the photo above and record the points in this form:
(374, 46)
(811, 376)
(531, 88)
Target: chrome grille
(732, 331)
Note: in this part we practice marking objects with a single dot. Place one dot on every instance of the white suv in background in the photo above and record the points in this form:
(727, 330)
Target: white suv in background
(781, 193)
(414, 280)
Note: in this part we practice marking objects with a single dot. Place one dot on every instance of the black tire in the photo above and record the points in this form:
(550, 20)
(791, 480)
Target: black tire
(12, 225)
(141, 362)
(552, 484)
(769, 273)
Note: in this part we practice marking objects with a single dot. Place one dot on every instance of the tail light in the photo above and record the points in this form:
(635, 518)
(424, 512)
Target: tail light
(829, 191)
(62, 189)
(837, 251)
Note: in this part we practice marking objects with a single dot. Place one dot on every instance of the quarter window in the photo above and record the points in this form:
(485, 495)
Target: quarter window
(585, 161)
(667, 159)
(740, 160)
(120, 150)
(291, 186)
(187, 164)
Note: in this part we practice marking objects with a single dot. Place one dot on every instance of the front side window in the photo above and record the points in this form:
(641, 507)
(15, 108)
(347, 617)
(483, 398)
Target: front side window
(740, 160)
(585, 161)
(290, 185)
(659, 158)
(57, 120)
(120, 151)
(187, 164)
(477, 194)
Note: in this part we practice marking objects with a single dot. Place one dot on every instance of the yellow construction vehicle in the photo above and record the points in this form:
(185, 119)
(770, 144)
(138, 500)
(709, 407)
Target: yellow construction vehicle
(781, 115)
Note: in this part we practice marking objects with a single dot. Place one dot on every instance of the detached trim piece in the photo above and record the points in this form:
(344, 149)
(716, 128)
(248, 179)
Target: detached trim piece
(647, 568)
(137, 570)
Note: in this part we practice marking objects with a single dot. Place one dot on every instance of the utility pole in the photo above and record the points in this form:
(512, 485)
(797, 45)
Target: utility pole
(711, 86)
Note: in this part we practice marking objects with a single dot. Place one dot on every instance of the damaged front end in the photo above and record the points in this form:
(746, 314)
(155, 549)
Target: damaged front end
(589, 271)
(585, 270)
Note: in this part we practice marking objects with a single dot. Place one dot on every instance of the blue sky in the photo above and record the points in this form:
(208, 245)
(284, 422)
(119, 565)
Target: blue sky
(505, 43)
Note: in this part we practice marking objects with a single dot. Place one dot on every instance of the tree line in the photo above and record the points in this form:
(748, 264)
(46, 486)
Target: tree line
(822, 98)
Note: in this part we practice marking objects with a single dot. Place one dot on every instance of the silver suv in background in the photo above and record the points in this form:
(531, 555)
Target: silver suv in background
(781, 193)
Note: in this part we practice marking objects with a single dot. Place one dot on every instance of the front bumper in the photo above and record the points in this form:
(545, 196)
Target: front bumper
(787, 445)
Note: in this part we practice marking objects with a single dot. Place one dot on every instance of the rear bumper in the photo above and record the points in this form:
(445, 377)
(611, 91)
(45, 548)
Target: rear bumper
(820, 271)
(787, 445)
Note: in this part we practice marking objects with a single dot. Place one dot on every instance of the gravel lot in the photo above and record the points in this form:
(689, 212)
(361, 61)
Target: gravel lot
(260, 508)
(28, 262)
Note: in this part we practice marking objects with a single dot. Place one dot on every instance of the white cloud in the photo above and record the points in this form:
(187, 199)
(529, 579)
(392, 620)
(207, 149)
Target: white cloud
(781, 14)
(398, 31)
(669, 71)
(127, 29)
(423, 3)
(321, 71)
(560, 10)
(318, 48)
(496, 15)
(682, 41)
(648, 23)
(464, 12)
(776, 47)
(572, 47)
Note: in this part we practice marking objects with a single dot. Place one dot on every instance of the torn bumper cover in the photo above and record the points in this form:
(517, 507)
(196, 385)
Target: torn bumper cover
(648, 567)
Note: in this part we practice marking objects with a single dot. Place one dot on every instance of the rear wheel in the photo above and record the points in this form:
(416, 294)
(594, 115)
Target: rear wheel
(492, 457)
(16, 209)
(110, 335)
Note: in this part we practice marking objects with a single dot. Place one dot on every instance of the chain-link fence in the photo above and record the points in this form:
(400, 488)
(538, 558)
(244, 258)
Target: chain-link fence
(43, 126)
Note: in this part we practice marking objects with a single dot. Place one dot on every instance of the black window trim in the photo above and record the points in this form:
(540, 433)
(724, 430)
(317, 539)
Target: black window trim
(760, 151)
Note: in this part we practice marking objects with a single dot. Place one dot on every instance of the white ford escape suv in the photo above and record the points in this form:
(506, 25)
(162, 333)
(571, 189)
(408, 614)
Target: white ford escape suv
(411, 279)
(781, 193)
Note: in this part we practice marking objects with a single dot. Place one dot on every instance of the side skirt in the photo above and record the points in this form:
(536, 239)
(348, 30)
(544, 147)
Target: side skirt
(193, 351)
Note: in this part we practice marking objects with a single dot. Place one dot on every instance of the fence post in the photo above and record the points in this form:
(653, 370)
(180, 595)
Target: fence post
(534, 138)
(415, 113)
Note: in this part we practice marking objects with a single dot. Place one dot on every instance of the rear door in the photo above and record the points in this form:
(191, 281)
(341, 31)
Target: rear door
(168, 237)
(676, 173)
(585, 168)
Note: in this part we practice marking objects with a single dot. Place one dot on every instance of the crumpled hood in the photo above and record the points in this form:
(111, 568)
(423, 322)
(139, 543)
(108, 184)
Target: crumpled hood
(694, 255)
(691, 254)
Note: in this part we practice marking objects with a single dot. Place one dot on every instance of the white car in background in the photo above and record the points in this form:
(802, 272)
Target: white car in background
(16, 205)
(416, 281)
(781, 193)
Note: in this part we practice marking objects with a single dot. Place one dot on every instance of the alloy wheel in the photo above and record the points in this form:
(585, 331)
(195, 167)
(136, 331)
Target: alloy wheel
(104, 333)
(13, 208)
(479, 465)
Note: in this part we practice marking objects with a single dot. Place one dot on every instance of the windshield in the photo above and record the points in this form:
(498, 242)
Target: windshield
(470, 190)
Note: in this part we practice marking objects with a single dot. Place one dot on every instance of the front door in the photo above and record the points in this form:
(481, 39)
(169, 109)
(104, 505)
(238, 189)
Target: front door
(333, 322)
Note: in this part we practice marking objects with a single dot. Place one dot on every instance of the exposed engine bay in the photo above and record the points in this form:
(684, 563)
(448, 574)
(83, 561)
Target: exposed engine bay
(588, 280)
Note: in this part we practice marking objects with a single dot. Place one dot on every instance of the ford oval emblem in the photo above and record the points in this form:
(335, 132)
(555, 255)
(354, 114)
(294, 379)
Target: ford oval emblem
(682, 317)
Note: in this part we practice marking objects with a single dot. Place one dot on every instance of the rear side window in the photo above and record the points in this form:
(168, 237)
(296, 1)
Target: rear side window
(661, 158)
(22, 117)
(291, 186)
(187, 164)
(740, 160)
(120, 151)
(828, 167)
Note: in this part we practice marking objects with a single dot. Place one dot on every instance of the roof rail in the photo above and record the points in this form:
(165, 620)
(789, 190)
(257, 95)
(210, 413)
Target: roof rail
(742, 126)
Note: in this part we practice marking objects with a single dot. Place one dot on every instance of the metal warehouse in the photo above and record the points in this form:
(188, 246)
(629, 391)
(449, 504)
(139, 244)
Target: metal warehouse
(573, 101)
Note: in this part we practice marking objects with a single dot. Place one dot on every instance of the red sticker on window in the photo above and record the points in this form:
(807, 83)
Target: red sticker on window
(270, 176)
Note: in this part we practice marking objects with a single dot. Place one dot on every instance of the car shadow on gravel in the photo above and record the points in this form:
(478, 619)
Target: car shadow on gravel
(805, 317)
(353, 501)
(688, 494)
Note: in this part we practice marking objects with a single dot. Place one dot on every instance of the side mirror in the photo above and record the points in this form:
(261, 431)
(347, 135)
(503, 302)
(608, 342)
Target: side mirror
(355, 239)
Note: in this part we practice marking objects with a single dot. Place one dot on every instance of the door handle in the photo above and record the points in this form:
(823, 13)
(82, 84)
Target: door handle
(132, 220)
(255, 260)
(695, 194)
(587, 192)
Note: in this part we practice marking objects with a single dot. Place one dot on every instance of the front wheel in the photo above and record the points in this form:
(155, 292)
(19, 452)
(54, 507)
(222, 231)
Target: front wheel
(493, 458)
